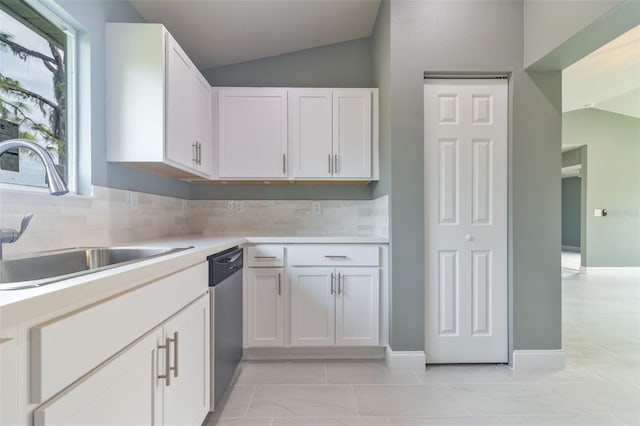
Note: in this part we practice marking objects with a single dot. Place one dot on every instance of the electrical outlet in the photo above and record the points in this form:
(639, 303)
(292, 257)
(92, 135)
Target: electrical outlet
(316, 208)
(133, 201)
(237, 208)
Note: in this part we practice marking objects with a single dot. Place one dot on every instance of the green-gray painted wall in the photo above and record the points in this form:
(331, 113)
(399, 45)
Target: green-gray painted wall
(613, 171)
(571, 212)
(381, 56)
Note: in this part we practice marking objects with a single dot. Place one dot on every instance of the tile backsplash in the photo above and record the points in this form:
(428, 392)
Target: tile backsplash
(113, 216)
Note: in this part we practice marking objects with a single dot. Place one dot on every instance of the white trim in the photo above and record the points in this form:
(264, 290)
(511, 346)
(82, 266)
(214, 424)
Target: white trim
(329, 352)
(538, 360)
(405, 360)
(620, 270)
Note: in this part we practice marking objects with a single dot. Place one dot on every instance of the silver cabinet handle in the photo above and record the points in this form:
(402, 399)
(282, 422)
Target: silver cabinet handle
(167, 362)
(279, 285)
(334, 256)
(198, 153)
(195, 153)
(175, 354)
(332, 281)
(330, 168)
(264, 257)
(339, 284)
(335, 166)
(284, 163)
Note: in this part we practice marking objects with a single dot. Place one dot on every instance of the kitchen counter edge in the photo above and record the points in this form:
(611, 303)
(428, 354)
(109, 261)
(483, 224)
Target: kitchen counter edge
(19, 305)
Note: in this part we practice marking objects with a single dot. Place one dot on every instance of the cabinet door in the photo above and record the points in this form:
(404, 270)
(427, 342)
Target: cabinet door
(252, 133)
(179, 146)
(186, 397)
(200, 116)
(124, 391)
(352, 133)
(312, 306)
(265, 307)
(310, 124)
(357, 306)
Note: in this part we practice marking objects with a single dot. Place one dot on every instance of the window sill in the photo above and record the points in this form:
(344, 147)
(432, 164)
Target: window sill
(34, 190)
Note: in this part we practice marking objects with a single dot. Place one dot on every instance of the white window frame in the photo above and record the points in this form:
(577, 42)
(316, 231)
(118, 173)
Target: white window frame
(58, 17)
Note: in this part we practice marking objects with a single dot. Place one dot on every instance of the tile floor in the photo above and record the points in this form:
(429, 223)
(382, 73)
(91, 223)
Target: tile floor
(600, 386)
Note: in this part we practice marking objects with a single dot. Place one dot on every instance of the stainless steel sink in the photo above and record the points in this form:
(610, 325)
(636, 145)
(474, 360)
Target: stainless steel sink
(48, 267)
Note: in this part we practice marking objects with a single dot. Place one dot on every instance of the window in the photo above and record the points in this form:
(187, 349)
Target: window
(36, 91)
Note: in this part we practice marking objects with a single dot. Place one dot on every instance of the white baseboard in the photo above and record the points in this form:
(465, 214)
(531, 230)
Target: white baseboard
(538, 360)
(405, 360)
(332, 352)
(621, 270)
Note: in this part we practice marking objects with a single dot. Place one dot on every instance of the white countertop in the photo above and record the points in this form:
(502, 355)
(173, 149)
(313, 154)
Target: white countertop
(16, 305)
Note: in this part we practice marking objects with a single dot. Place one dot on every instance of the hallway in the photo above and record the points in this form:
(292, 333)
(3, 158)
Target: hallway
(600, 386)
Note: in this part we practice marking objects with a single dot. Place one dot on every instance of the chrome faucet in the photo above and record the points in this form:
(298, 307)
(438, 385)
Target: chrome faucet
(56, 184)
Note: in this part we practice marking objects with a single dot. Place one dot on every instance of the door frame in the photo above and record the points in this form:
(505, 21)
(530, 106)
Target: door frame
(465, 75)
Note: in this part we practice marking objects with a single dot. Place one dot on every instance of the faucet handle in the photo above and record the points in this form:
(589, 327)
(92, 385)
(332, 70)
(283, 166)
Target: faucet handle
(24, 224)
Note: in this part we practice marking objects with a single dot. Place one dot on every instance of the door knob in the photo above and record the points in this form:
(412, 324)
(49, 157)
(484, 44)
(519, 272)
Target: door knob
(468, 237)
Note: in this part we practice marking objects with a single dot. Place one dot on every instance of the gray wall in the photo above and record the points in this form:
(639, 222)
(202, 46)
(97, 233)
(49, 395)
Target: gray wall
(345, 64)
(469, 36)
(571, 188)
(613, 145)
(92, 16)
(381, 58)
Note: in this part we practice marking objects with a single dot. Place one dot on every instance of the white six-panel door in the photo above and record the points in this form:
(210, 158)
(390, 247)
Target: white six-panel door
(466, 216)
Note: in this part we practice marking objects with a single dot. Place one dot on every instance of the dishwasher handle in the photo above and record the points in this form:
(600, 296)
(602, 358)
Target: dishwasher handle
(224, 264)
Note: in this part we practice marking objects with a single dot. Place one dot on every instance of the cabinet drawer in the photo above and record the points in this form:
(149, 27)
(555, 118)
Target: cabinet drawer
(66, 348)
(265, 256)
(334, 255)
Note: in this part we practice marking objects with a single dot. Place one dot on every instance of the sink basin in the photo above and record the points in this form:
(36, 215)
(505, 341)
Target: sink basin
(51, 266)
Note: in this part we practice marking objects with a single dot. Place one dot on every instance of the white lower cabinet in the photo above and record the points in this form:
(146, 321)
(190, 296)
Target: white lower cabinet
(123, 391)
(335, 306)
(161, 379)
(265, 316)
(320, 296)
(186, 394)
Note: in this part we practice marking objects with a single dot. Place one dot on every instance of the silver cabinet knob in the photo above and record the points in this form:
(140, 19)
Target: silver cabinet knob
(468, 237)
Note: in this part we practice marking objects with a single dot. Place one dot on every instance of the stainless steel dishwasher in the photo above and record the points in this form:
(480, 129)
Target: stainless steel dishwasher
(225, 282)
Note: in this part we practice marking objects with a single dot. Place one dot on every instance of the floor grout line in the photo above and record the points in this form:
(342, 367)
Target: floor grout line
(246, 412)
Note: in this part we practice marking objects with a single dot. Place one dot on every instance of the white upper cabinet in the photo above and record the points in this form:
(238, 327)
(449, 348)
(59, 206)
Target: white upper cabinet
(352, 133)
(310, 133)
(252, 133)
(296, 134)
(331, 133)
(158, 109)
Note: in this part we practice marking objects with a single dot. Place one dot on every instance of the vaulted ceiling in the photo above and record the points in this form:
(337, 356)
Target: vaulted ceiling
(222, 32)
(607, 79)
